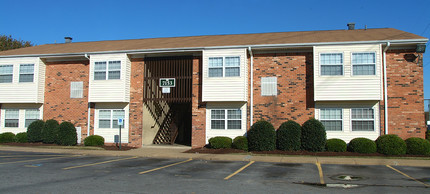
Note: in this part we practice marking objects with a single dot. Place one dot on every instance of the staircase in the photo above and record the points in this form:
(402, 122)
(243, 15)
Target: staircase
(168, 130)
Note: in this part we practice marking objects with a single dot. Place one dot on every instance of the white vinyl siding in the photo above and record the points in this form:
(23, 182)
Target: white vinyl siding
(331, 64)
(363, 63)
(106, 121)
(225, 76)
(76, 89)
(331, 118)
(348, 86)
(269, 86)
(15, 118)
(362, 119)
(22, 80)
(31, 115)
(109, 78)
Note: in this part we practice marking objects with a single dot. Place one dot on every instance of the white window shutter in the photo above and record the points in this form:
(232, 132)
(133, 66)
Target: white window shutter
(76, 89)
(269, 86)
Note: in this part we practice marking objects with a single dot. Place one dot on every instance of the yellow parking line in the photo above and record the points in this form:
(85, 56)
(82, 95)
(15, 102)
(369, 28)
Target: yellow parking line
(237, 171)
(427, 185)
(10, 156)
(320, 173)
(159, 168)
(93, 164)
(36, 159)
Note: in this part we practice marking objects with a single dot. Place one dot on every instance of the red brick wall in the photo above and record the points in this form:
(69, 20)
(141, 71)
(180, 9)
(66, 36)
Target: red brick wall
(136, 103)
(198, 131)
(58, 104)
(405, 94)
(294, 72)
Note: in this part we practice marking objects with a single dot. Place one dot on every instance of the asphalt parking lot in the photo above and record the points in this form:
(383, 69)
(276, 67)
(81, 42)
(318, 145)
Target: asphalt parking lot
(29, 172)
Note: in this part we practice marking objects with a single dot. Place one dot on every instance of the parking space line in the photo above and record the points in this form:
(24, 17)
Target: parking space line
(237, 171)
(159, 168)
(320, 173)
(97, 163)
(404, 174)
(17, 156)
(37, 159)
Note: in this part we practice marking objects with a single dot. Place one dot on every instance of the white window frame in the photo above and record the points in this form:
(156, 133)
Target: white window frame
(224, 67)
(341, 119)
(374, 120)
(6, 115)
(26, 116)
(5, 74)
(226, 119)
(108, 70)
(77, 89)
(342, 64)
(111, 120)
(269, 83)
(352, 63)
(32, 73)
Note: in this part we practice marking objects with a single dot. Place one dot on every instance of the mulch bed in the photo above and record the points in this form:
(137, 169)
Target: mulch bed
(292, 153)
(111, 147)
(116, 148)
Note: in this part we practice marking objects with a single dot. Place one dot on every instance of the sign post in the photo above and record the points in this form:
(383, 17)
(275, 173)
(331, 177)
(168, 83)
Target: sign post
(120, 123)
(166, 84)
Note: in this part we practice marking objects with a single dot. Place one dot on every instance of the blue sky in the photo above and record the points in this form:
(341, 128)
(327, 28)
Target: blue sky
(43, 22)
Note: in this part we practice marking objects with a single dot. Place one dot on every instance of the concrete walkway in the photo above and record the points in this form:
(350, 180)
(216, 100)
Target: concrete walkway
(177, 152)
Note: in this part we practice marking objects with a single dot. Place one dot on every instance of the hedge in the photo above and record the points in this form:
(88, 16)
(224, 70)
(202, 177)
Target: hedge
(362, 145)
(313, 136)
(417, 146)
(7, 137)
(94, 140)
(390, 145)
(220, 142)
(262, 136)
(335, 145)
(288, 136)
(50, 131)
(21, 137)
(34, 131)
(241, 143)
(67, 134)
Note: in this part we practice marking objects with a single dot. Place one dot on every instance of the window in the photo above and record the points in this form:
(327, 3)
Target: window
(26, 72)
(232, 121)
(331, 118)
(224, 66)
(11, 118)
(109, 118)
(332, 64)
(6, 73)
(31, 115)
(363, 119)
(363, 63)
(76, 89)
(269, 86)
(111, 68)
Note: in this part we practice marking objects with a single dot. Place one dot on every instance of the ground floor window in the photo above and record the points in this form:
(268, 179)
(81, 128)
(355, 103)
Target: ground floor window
(31, 115)
(363, 119)
(108, 118)
(11, 118)
(226, 119)
(331, 118)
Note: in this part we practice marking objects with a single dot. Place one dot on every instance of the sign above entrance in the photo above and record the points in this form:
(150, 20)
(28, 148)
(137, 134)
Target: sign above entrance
(167, 82)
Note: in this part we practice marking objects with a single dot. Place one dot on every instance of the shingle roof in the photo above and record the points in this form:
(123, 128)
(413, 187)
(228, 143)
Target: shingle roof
(219, 40)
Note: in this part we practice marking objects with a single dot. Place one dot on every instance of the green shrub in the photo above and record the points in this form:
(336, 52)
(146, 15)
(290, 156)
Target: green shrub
(390, 145)
(362, 145)
(241, 143)
(288, 136)
(34, 131)
(262, 136)
(314, 136)
(417, 146)
(94, 140)
(428, 135)
(50, 131)
(67, 134)
(335, 145)
(21, 137)
(220, 142)
(7, 137)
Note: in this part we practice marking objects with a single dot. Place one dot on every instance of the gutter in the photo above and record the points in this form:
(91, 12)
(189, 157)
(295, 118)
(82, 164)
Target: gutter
(385, 87)
(251, 106)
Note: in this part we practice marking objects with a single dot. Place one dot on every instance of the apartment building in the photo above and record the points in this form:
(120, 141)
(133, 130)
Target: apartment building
(357, 82)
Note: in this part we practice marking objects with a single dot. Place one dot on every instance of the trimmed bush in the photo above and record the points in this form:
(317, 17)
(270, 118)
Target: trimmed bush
(335, 145)
(94, 140)
(288, 136)
(428, 135)
(362, 145)
(314, 136)
(7, 137)
(417, 146)
(220, 142)
(262, 136)
(390, 145)
(21, 137)
(50, 131)
(67, 134)
(241, 143)
(34, 131)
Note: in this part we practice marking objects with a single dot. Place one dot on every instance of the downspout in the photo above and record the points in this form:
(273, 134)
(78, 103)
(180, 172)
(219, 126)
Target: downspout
(385, 88)
(89, 108)
(251, 107)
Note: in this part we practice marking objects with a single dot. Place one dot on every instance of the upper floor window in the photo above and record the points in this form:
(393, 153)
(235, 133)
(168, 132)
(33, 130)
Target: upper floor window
(331, 64)
(76, 89)
(363, 63)
(331, 118)
(26, 72)
(224, 66)
(6, 73)
(269, 86)
(11, 118)
(226, 119)
(363, 119)
(109, 118)
(107, 70)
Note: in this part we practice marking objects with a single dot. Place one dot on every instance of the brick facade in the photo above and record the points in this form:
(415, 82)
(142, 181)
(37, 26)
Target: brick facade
(198, 131)
(136, 103)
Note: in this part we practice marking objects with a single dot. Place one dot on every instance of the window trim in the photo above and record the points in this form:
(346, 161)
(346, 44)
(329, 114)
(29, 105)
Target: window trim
(374, 119)
(107, 70)
(19, 72)
(111, 121)
(224, 66)
(352, 64)
(341, 118)
(343, 64)
(11, 81)
(226, 118)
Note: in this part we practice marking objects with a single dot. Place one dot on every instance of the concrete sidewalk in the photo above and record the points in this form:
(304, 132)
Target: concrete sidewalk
(177, 152)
